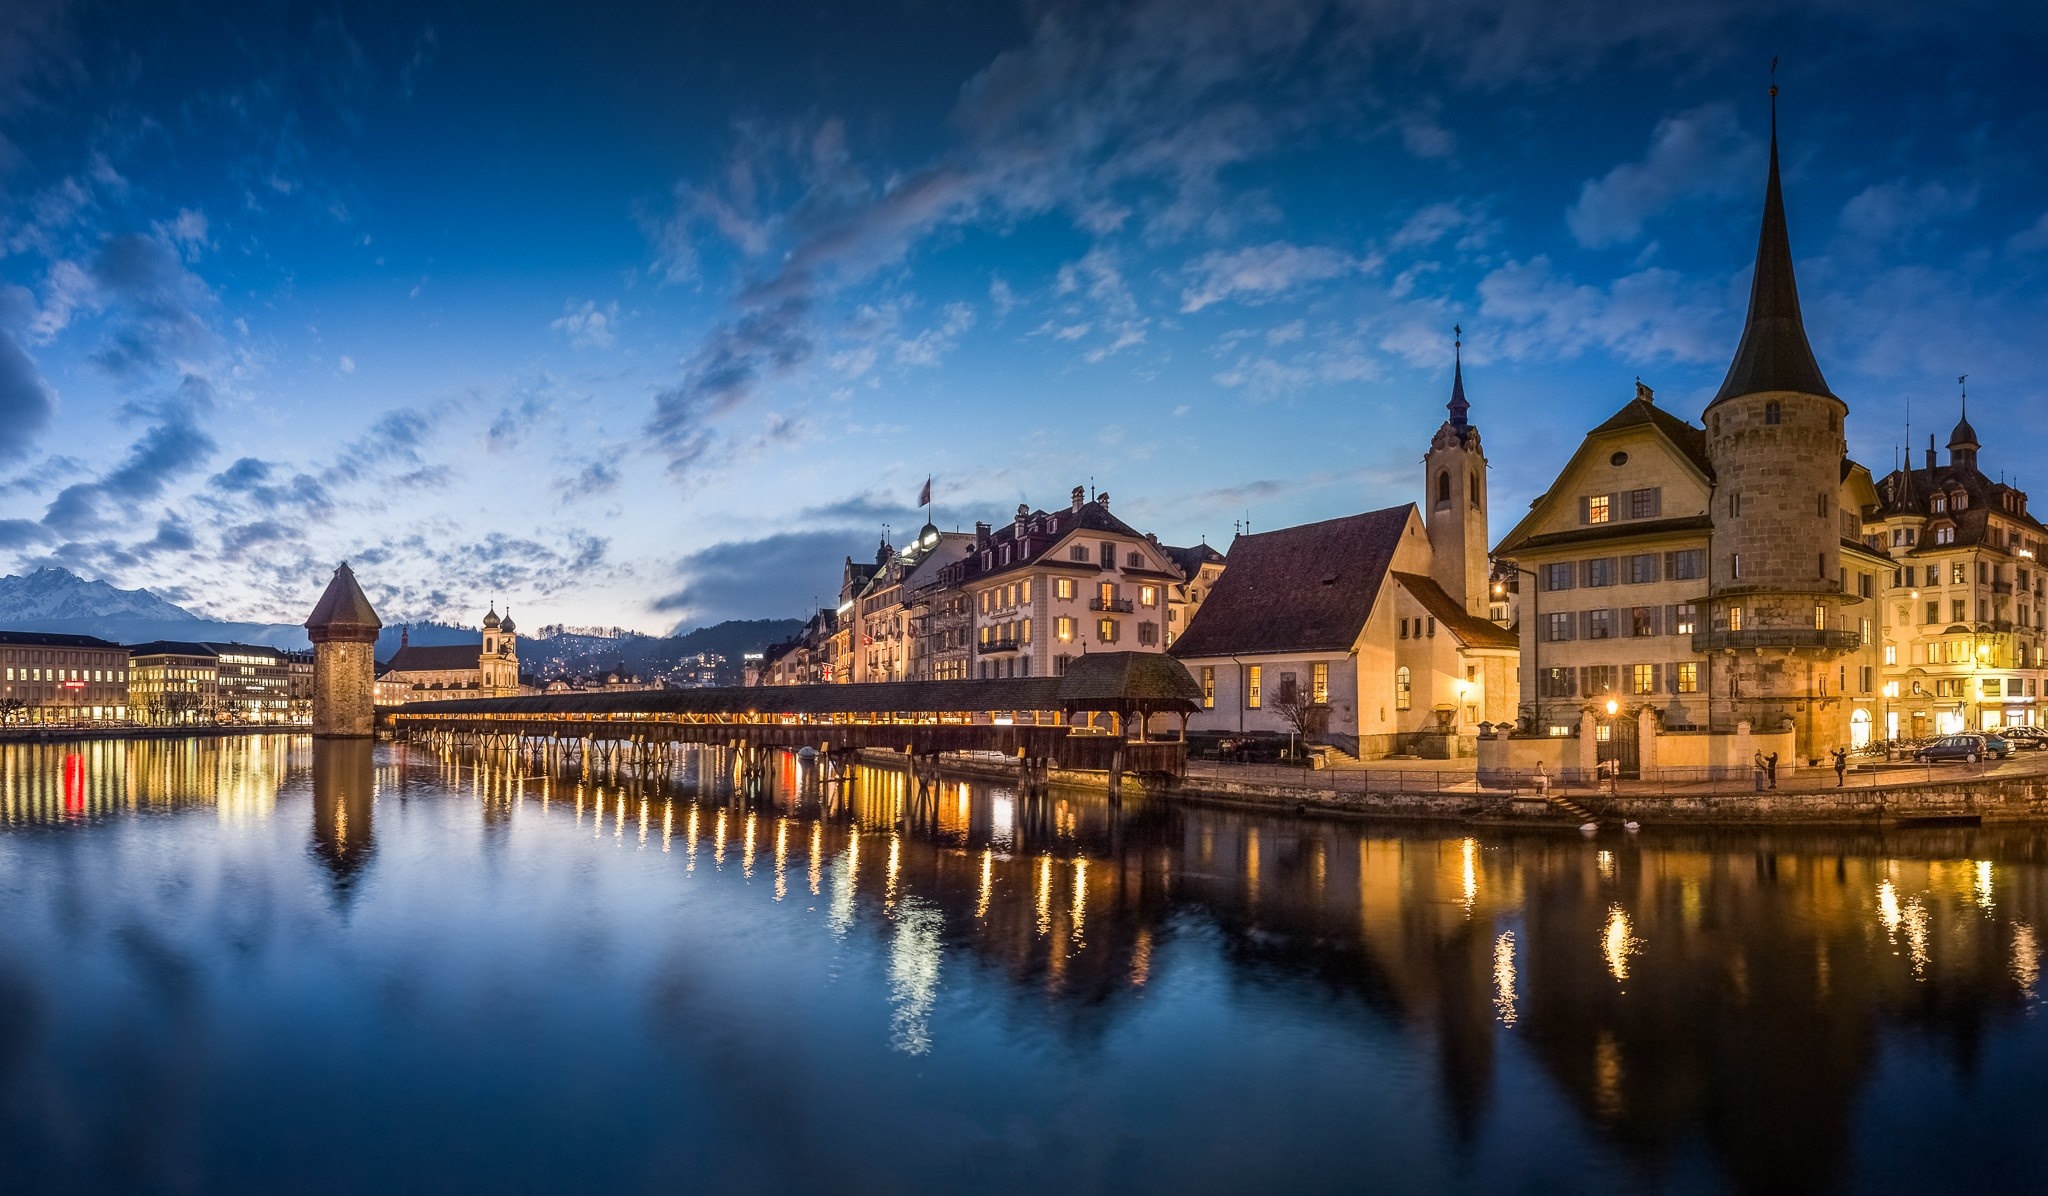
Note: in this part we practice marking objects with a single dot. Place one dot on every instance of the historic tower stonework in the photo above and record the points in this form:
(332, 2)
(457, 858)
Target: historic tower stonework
(344, 629)
(1454, 480)
(1775, 436)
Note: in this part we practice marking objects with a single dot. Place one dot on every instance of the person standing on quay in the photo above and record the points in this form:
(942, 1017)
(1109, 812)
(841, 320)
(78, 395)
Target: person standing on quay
(1841, 767)
(1759, 765)
(1771, 767)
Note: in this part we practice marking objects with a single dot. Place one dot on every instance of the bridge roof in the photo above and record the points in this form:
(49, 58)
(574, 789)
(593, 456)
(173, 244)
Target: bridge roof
(1147, 681)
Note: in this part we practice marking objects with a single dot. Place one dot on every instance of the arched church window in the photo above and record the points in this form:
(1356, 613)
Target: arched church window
(1443, 486)
(1404, 688)
(1772, 412)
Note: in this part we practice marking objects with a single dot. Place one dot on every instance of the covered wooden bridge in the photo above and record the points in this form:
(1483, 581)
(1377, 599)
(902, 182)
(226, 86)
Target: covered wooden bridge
(1096, 717)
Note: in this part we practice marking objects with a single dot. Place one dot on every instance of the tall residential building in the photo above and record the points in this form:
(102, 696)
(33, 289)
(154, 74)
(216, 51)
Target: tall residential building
(1716, 573)
(173, 683)
(1963, 618)
(1200, 566)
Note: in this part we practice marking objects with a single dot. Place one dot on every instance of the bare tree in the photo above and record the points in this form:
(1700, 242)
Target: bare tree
(13, 710)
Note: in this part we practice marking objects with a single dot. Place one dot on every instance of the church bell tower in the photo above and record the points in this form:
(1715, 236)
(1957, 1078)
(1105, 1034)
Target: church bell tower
(1454, 499)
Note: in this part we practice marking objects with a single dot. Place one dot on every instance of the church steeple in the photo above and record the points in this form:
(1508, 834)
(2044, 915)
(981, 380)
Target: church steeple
(1458, 406)
(1774, 354)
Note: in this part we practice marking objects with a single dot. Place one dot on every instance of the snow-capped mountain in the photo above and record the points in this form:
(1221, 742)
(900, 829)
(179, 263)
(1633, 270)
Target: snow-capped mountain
(49, 594)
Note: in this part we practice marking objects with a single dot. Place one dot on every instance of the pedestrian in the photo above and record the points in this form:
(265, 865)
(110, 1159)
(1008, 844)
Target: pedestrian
(1771, 767)
(1759, 766)
(1542, 781)
(1841, 767)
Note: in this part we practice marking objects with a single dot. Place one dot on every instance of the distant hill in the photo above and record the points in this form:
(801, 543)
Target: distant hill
(650, 655)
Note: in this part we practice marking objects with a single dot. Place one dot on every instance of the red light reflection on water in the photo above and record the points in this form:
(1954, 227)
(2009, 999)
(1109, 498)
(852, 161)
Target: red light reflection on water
(74, 784)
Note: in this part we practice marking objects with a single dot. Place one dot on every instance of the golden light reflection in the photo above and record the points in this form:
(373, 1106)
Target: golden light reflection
(619, 818)
(988, 876)
(1141, 959)
(1045, 894)
(895, 866)
(690, 839)
(1982, 889)
(1604, 861)
(718, 840)
(1251, 864)
(747, 849)
(1618, 942)
(2026, 960)
(1504, 977)
(840, 917)
(1888, 910)
(643, 822)
(781, 858)
(668, 824)
(1915, 918)
(1080, 912)
(817, 854)
(1470, 852)
(1607, 1076)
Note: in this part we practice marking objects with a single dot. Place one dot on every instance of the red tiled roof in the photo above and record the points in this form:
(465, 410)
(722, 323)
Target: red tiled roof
(1300, 589)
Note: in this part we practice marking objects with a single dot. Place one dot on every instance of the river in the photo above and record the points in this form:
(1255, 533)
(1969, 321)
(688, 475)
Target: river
(258, 964)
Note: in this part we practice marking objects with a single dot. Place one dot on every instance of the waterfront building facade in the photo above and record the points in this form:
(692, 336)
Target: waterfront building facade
(1200, 566)
(1715, 574)
(1368, 633)
(1962, 601)
(173, 683)
(488, 668)
(46, 678)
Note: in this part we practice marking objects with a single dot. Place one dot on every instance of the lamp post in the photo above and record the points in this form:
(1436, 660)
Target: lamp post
(1613, 749)
(1500, 590)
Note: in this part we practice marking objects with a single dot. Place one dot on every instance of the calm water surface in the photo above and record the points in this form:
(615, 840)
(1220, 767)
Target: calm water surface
(258, 965)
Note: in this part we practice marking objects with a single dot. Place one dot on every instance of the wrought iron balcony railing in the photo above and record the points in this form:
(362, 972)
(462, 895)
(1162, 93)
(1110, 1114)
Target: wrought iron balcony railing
(1121, 606)
(987, 646)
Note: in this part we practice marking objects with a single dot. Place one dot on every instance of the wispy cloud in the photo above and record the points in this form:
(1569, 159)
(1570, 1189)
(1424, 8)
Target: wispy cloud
(1703, 153)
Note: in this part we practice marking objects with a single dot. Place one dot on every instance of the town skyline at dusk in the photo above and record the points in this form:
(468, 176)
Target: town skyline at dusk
(650, 319)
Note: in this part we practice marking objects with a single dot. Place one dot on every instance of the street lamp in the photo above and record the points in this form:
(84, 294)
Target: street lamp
(1613, 748)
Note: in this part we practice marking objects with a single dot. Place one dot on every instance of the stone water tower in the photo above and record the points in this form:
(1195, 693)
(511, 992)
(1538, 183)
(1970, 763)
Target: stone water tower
(344, 630)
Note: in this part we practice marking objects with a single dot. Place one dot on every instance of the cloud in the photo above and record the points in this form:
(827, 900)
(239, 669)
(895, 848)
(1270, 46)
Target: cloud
(588, 326)
(1260, 272)
(159, 304)
(741, 356)
(347, 364)
(2032, 239)
(1890, 211)
(1543, 315)
(1433, 222)
(787, 574)
(927, 347)
(26, 401)
(1703, 153)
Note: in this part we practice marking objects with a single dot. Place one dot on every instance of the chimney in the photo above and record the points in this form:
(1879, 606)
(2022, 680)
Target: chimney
(1930, 452)
(1077, 498)
(1103, 499)
(980, 534)
(1023, 513)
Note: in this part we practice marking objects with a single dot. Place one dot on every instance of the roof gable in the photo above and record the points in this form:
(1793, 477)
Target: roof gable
(1640, 426)
(1471, 630)
(1299, 589)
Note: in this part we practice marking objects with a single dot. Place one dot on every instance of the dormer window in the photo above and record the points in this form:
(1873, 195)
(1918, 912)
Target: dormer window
(1940, 503)
(1962, 499)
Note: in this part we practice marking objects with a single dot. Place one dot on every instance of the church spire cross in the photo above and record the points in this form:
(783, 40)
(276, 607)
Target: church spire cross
(1458, 406)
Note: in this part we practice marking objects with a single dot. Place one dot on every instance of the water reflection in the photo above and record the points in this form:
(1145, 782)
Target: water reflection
(1753, 996)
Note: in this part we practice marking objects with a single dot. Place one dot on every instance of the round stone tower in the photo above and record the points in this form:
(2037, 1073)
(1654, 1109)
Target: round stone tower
(1776, 440)
(344, 628)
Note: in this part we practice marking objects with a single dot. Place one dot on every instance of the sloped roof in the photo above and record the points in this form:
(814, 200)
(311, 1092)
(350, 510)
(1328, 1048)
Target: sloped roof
(343, 606)
(437, 658)
(1773, 353)
(1641, 412)
(49, 639)
(1104, 680)
(1471, 630)
(1192, 558)
(171, 648)
(1299, 589)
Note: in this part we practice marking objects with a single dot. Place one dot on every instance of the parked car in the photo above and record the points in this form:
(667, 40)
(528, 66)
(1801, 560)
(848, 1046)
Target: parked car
(2027, 739)
(1971, 747)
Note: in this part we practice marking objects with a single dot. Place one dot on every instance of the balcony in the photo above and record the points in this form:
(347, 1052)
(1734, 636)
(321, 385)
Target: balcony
(988, 647)
(1119, 606)
(2001, 587)
(1776, 637)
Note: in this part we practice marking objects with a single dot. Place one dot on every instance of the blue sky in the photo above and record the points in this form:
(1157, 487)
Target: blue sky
(649, 315)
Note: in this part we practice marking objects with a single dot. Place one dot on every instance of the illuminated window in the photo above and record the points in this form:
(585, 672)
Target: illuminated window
(1404, 688)
(1063, 588)
(1148, 595)
(1597, 509)
(1319, 683)
(1063, 627)
(1105, 630)
(1735, 618)
(1686, 618)
(1025, 626)
(1106, 594)
(1208, 687)
(1251, 687)
(1891, 654)
(1643, 679)
(1685, 677)
(1820, 618)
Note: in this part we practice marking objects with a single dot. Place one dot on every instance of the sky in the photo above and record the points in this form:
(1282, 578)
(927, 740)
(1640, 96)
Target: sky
(650, 315)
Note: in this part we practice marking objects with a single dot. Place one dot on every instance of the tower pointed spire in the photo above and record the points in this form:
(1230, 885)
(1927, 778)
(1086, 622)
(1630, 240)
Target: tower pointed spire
(1458, 406)
(1774, 354)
